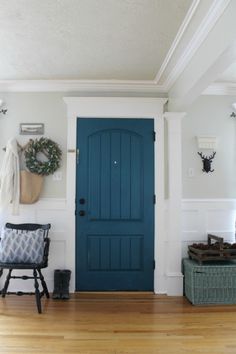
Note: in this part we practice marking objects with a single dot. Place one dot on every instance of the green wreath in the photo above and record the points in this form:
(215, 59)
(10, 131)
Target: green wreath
(47, 147)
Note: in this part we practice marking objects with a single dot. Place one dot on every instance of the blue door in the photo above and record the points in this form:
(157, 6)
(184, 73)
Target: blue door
(114, 204)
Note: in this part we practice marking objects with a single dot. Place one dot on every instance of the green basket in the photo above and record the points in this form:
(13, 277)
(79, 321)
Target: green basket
(211, 283)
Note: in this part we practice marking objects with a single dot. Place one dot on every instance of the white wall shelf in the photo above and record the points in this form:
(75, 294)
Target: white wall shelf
(207, 142)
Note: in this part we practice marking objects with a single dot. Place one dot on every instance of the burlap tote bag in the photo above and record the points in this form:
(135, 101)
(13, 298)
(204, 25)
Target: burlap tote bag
(30, 187)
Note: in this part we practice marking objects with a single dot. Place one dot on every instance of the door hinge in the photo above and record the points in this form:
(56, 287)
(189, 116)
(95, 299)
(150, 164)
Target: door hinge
(154, 199)
(154, 264)
(154, 136)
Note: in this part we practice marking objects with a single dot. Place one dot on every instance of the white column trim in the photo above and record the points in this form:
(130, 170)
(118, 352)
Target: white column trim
(119, 107)
(174, 239)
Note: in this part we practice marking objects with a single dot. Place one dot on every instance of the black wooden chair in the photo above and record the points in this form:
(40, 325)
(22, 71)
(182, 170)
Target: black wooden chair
(21, 229)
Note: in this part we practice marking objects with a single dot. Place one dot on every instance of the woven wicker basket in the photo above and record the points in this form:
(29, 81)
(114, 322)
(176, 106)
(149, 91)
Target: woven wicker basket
(213, 283)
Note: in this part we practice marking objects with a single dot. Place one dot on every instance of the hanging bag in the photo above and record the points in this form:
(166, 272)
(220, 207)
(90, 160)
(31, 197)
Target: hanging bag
(30, 187)
(30, 183)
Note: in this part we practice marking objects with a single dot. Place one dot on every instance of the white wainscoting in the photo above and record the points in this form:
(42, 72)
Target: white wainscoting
(199, 217)
(207, 216)
(45, 211)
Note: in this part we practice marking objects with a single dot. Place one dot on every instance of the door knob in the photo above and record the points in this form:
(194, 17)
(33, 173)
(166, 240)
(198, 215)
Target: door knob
(82, 201)
(81, 212)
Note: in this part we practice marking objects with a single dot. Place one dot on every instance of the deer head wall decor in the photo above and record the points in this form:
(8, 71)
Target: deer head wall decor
(207, 160)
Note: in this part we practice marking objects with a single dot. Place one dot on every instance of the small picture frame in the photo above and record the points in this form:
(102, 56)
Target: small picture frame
(31, 128)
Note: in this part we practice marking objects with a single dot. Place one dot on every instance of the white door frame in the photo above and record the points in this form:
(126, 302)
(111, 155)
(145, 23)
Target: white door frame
(118, 107)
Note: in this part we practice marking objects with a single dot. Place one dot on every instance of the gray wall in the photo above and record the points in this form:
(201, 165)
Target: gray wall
(210, 116)
(47, 108)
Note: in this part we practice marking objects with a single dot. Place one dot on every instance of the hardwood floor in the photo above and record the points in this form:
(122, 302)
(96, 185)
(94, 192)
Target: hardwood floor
(115, 323)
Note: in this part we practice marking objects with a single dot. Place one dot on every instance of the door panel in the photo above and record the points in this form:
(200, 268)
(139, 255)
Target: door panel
(115, 176)
(114, 239)
(116, 252)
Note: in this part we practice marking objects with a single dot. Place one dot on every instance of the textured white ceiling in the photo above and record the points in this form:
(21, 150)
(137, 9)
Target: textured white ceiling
(87, 39)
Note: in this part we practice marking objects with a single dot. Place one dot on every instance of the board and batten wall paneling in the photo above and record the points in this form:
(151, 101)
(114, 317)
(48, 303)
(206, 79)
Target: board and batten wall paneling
(207, 216)
(199, 217)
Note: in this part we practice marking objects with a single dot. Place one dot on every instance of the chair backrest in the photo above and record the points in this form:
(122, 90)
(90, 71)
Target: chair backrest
(33, 227)
(28, 227)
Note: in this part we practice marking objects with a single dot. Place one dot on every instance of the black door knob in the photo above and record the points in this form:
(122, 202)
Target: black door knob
(81, 212)
(82, 201)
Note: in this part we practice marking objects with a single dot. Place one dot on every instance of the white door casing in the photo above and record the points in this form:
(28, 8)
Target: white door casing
(124, 107)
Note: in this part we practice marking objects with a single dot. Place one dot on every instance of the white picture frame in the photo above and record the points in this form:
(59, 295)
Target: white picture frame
(31, 128)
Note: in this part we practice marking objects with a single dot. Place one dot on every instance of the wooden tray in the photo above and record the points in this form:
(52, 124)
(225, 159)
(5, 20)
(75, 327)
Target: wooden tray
(221, 254)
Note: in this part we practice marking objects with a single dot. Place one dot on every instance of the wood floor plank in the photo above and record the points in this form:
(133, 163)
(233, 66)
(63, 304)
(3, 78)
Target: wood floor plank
(116, 323)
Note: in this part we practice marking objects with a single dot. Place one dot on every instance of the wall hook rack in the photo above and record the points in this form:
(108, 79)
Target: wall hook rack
(207, 160)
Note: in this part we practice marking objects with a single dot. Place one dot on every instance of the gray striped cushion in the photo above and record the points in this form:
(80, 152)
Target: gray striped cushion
(21, 246)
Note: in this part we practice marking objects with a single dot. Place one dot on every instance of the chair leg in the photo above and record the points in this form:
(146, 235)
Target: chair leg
(44, 285)
(37, 292)
(4, 290)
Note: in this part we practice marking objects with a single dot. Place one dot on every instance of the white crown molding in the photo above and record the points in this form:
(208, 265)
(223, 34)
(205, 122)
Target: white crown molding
(221, 89)
(207, 23)
(132, 86)
(178, 38)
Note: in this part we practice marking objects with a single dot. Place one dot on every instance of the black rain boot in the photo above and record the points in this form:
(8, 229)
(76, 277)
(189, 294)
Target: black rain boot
(57, 284)
(65, 284)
